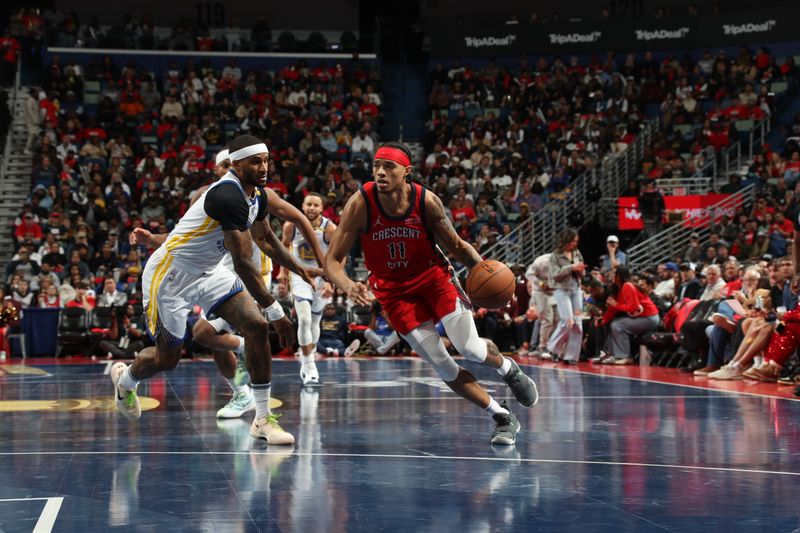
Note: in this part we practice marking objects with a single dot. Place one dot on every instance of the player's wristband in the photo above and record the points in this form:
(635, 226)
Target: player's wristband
(275, 312)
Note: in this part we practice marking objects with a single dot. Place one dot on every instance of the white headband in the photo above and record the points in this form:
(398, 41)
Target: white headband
(222, 156)
(247, 151)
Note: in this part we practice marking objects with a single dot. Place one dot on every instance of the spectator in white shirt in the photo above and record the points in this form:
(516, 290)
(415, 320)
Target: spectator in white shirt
(66, 145)
(363, 145)
(111, 297)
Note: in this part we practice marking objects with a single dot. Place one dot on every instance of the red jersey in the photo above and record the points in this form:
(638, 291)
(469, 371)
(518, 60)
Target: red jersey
(398, 248)
(410, 276)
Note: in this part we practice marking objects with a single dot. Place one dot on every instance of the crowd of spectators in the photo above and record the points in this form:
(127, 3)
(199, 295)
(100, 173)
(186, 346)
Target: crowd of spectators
(504, 141)
(724, 308)
(135, 158)
(215, 33)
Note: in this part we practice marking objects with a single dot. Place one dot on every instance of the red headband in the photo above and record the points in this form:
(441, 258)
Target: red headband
(393, 154)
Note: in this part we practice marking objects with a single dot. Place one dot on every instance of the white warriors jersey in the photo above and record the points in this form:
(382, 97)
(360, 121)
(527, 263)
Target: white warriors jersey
(302, 252)
(196, 243)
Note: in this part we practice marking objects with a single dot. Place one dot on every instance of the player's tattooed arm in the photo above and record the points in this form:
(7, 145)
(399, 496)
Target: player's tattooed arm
(240, 246)
(445, 234)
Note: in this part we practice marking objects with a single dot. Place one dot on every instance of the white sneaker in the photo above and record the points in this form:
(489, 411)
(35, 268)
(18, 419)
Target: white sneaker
(383, 349)
(309, 373)
(239, 405)
(267, 427)
(727, 372)
(355, 345)
(546, 355)
(127, 401)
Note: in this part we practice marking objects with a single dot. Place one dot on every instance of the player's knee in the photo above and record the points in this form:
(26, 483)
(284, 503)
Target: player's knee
(255, 329)
(167, 361)
(475, 349)
(470, 346)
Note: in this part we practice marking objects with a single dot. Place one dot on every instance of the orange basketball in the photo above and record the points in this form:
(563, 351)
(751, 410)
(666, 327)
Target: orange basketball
(490, 284)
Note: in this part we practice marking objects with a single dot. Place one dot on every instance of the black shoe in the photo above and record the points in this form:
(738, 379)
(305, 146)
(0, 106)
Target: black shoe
(694, 364)
(522, 387)
(506, 427)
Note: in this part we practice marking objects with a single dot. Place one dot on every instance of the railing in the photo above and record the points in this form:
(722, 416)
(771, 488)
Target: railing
(670, 243)
(13, 110)
(684, 186)
(537, 235)
(733, 156)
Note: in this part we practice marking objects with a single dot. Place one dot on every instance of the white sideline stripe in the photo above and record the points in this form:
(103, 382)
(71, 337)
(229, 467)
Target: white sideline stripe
(48, 517)
(426, 456)
(739, 393)
(432, 398)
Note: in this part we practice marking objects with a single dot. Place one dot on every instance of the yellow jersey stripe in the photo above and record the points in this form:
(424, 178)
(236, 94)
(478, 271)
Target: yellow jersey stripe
(208, 225)
(158, 277)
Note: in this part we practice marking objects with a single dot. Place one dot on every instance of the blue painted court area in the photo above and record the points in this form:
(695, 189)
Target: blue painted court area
(384, 446)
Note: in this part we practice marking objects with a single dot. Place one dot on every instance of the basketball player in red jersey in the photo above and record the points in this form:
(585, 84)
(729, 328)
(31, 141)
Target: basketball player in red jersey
(399, 224)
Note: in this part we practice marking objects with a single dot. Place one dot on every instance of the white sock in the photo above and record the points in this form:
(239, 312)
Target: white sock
(237, 389)
(505, 367)
(127, 381)
(495, 408)
(306, 358)
(240, 349)
(261, 395)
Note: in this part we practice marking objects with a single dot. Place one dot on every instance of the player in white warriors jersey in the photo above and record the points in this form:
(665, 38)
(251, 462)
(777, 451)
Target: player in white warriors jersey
(187, 270)
(217, 334)
(310, 298)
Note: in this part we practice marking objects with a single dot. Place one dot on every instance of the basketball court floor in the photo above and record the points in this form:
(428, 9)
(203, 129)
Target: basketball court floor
(383, 445)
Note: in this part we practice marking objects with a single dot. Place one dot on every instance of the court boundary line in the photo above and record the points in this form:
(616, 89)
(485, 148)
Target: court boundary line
(426, 456)
(49, 514)
(643, 380)
(47, 518)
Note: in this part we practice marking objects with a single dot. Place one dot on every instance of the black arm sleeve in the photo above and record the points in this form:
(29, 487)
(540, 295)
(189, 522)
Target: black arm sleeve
(226, 204)
(262, 204)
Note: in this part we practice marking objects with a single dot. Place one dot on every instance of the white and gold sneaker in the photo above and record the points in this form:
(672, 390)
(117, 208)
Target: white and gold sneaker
(267, 428)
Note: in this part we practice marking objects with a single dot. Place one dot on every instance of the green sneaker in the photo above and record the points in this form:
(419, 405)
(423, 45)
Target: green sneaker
(126, 400)
(242, 376)
(239, 405)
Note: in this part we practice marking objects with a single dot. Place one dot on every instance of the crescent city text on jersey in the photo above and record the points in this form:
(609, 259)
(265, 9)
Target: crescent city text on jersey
(395, 233)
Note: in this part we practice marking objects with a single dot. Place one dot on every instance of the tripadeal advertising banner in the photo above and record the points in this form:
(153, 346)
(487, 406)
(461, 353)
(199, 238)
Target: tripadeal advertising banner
(469, 40)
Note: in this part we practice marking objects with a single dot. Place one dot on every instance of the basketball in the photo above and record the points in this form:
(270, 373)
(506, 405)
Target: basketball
(490, 284)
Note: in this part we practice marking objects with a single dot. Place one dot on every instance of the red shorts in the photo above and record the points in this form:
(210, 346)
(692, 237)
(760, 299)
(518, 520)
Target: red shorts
(428, 297)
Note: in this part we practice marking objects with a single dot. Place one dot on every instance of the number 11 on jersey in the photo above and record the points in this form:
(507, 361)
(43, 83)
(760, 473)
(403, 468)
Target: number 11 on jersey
(397, 254)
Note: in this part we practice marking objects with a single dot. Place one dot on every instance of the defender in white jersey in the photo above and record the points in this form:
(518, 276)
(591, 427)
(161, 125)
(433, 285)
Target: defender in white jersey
(309, 298)
(186, 270)
(216, 334)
